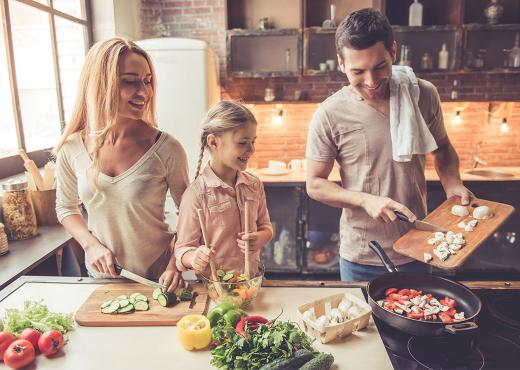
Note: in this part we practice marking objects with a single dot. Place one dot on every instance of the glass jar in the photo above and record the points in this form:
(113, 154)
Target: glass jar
(4, 248)
(406, 56)
(19, 216)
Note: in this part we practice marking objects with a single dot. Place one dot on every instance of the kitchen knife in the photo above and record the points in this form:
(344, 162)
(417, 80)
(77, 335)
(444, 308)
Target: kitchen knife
(134, 277)
(418, 224)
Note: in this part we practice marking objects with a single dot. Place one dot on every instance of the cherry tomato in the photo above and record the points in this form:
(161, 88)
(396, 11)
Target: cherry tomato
(451, 312)
(32, 335)
(413, 315)
(6, 339)
(19, 354)
(404, 292)
(394, 297)
(50, 342)
(448, 302)
(390, 291)
(445, 318)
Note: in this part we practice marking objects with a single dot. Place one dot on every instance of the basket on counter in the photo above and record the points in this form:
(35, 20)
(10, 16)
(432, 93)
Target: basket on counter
(324, 306)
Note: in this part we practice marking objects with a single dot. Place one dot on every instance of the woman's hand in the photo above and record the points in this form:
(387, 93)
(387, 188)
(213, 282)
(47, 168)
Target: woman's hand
(253, 239)
(171, 278)
(200, 257)
(100, 258)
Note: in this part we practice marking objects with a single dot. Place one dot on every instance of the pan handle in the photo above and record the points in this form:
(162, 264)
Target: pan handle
(376, 247)
(461, 328)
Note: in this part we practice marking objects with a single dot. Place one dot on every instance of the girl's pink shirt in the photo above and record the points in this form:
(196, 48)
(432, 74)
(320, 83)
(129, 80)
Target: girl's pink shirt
(223, 208)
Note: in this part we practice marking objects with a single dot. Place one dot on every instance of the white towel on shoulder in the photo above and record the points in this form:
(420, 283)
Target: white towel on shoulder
(409, 133)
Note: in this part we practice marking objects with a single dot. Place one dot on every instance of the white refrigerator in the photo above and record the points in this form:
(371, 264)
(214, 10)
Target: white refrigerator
(187, 85)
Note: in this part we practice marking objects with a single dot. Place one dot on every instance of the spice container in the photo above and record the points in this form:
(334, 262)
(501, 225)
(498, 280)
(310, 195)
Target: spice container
(4, 248)
(19, 215)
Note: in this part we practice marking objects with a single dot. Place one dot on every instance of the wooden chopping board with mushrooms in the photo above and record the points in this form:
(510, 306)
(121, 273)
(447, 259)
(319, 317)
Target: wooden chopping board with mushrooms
(468, 227)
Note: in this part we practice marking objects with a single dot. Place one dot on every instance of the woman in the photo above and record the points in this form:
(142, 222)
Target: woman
(114, 160)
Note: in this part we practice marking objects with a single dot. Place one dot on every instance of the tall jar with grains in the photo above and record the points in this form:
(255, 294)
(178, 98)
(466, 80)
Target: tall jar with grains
(19, 216)
(4, 248)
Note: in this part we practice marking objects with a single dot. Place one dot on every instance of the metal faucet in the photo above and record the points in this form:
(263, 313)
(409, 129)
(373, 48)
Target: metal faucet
(476, 159)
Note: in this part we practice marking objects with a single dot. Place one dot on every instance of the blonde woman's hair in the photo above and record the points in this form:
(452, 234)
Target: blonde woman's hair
(224, 116)
(97, 101)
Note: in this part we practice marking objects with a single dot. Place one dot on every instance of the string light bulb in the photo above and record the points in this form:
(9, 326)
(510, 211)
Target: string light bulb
(458, 118)
(504, 126)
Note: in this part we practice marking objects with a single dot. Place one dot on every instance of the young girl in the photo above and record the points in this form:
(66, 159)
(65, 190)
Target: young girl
(114, 160)
(221, 191)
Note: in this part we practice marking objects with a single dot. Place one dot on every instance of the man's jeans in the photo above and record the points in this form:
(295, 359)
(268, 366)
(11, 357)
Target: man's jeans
(351, 271)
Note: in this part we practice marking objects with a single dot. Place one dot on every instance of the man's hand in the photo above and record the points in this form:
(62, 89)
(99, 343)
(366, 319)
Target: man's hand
(461, 191)
(382, 208)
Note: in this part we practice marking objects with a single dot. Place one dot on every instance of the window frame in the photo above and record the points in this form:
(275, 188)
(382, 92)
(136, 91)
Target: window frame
(13, 165)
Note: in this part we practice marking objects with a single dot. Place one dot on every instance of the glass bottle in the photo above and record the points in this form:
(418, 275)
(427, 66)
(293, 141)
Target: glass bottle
(415, 14)
(288, 60)
(405, 58)
(426, 62)
(454, 90)
(514, 53)
(493, 12)
(443, 57)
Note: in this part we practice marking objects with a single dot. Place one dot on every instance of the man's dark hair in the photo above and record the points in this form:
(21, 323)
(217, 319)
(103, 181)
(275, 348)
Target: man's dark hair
(362, 29)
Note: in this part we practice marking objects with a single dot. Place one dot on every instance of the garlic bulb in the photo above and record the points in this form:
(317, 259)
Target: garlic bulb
(482, 213)
(459, 210)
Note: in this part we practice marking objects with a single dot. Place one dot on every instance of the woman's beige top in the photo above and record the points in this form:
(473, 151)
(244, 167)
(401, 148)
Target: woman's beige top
(127, 215)
(223, 208)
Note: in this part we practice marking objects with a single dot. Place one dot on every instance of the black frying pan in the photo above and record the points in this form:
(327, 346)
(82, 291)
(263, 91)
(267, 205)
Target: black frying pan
(439, 286)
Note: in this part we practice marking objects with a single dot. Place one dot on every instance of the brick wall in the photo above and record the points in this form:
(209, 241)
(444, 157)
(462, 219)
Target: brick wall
(481, 122)
(206, 20)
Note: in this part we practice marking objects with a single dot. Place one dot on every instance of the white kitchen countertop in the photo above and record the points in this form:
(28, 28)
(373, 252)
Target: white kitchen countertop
(159, 348)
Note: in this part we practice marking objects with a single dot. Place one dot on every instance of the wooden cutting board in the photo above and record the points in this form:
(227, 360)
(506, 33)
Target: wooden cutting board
(415, 242)
(89, 314)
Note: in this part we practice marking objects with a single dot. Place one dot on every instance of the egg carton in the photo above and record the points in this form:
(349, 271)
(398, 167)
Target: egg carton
(324, 306)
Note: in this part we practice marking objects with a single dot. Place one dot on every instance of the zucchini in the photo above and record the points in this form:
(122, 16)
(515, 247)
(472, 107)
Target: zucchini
(141, 306)
(114, 306)
(185, 295)
(321, 362)
(126, 309)
(298, 359)
(156, 293)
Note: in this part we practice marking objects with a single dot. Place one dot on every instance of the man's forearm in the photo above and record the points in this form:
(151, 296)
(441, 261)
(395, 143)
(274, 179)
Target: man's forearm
(446, 162)
(334, 195)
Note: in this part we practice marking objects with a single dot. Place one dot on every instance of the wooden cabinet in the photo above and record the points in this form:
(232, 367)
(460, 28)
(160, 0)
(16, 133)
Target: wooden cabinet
(265, 39)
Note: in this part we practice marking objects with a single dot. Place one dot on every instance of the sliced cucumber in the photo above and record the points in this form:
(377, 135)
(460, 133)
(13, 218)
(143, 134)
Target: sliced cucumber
(132, 300)
(106, 304)
(141, 297)
(141, 306)
(127, 309)
(121, 297)
(124, 303)
(133, 295)
(156, 293)
(114, 306)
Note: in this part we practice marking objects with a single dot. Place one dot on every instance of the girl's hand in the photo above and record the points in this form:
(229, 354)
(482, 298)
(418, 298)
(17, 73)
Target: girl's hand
(100, 258)
(254, 244)
(171, 278)
(200, 258)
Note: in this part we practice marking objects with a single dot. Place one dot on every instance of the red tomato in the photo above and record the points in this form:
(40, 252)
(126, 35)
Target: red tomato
(50, 342)
(390, 306)
(451, 312)
(32, 335)
(394, 297)
(390, 291)
(445, 318)
(404, 292)
(19, 354)
(448, 302)
(6, 339)
(413, 315)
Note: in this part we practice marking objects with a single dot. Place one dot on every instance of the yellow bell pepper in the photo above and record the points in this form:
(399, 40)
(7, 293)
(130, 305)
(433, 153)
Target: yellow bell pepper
(194, 332)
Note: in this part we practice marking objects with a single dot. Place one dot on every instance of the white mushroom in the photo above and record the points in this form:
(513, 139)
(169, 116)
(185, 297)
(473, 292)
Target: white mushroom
(344, 305)
(468, 228)
(461, 225)
(473, 223)
(432, 241)
(309, 314)
(439, 236)
(353, 312)
(336, 316)
(427, 257)
(321, 322)
(459, 210)
(482, 213)
(449, 238)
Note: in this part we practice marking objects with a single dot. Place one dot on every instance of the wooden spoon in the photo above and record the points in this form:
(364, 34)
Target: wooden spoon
(214, 276)
(246, 231)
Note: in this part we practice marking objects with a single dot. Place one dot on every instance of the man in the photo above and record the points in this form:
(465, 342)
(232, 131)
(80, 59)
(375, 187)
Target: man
(353, 126)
